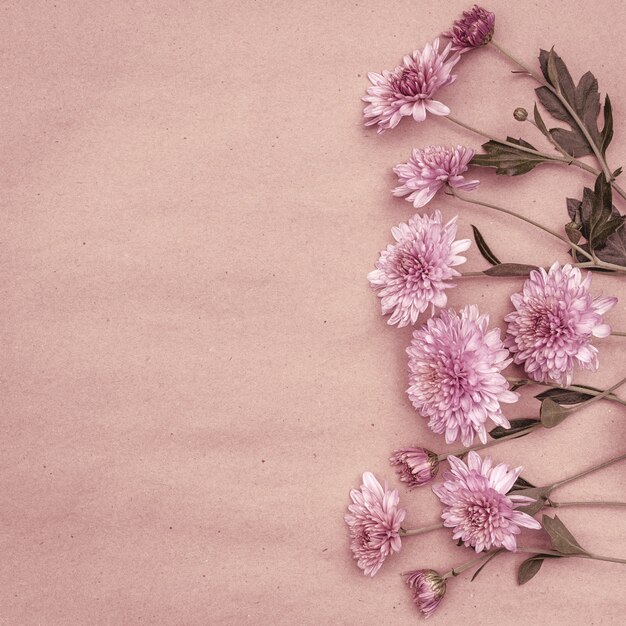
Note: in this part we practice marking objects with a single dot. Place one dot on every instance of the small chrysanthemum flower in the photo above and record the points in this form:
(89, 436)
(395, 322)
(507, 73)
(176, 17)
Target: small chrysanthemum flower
(429, 169)
(473, 30)
(415, 466)
(454, 374)
(476, 504)
(374, 520)
(409, 88)
(428, 589)
(414, 273)
(554, 320)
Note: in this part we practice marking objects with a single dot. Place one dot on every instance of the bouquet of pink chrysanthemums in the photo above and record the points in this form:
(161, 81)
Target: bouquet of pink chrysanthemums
(455, 361)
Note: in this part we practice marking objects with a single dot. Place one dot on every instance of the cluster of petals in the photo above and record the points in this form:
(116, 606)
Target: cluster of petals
(415, 466)
(454, 374)
(476, 504)
(428, 589)
(414, 273)
(429, 169)
(474, 29)
(374, 520)
(554, 321)
(409, 89)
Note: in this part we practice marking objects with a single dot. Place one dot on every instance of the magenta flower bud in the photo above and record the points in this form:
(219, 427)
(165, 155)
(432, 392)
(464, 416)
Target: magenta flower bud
(474, 29)
(428, 589)
(415, 466)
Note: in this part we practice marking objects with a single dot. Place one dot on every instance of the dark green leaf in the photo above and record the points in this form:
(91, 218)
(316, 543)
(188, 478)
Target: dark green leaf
(614, 250)
(607, 131)
(492, 556)
(510, 269)
(540, 123)
(573, 209)
(529, 568)
(573, 142)
(617, 172)
(508, 160)
(521, 483)
(552, 414)
(517, 426)
(540, 495)
(572, 230)
(602, 222)
(483, 248)
(564, 78)
(564, 396)
(562, 540)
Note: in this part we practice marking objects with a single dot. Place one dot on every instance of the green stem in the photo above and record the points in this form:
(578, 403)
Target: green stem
(455, 571)
(464, 198)
(586, 555)
(419, 531)
(556, 505)
(617, 333)
(603, 394)
(493, 442)
(601, 160)
(595, 468)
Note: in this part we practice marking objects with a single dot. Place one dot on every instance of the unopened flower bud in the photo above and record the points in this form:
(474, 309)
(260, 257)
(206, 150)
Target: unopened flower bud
(520, 114)
(415, 466)
(428, 589)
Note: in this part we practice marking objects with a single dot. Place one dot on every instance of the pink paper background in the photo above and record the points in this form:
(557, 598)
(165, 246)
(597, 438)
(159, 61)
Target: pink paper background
(194, 369)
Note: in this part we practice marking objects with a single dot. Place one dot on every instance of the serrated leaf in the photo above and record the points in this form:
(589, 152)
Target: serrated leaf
(614, 249)
(483, 248)
(565, 81)
(564, 396)
(517, 426)
(572, 230)
(562, 539)
(508, 160)
(552, 414)
(528, 569)
(510, 269)
(573, 209)
(572, 141)
(607, 130)
(602, 221)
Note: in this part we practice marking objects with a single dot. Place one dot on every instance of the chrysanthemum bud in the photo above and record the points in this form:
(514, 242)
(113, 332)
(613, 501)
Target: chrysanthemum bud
(428, 589)
(474, 29)
(520, 114)
(415, 466)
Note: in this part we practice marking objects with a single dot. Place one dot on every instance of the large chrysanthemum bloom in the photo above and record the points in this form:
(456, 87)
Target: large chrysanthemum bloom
(554, 320)
(410, 88)
(454, 374)
(429, 169)
(476, 504)
(415, 466)
(374, 520)
(428, 589)
(414, 273)
(474, 29)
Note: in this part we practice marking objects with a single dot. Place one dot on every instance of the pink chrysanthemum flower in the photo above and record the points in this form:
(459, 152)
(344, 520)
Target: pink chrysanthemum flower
(374, 520)
(428, 589)
(429, 169)
(414, 272)
(473, 30)
(476, 504)
(554, 320)
(409, 89)
(415, 466)
(454, 374)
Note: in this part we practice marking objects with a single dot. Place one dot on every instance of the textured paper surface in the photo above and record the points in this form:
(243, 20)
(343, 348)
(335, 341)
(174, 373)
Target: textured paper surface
(194, 369)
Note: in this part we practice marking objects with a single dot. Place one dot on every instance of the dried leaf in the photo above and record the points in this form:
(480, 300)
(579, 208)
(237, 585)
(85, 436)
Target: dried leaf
(483, 248)
(508, 160)
(540, 494)
(528, 569)
(572, 230)
(510, 269)
(541, 125)
(521, 483)
(552, 414)
(564, 396)
(562, 539)
(607, 131)
(517, 426)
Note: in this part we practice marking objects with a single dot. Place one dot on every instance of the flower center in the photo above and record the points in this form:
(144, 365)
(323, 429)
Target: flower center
(410, 83)
(412, 266)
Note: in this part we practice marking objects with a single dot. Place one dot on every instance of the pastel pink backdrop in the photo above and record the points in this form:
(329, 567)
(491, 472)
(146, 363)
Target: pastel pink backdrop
(194, 369)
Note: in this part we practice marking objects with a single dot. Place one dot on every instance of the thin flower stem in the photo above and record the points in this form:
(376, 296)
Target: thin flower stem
(618, 333)
(467, 274)
(595, 468)
(601, 160)
(455, 571)
(493, 442)
(586, 555)
(420, 531)
(556, 505)
(603, 394)
(464, 198)
(603, 264)
(612, 397)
